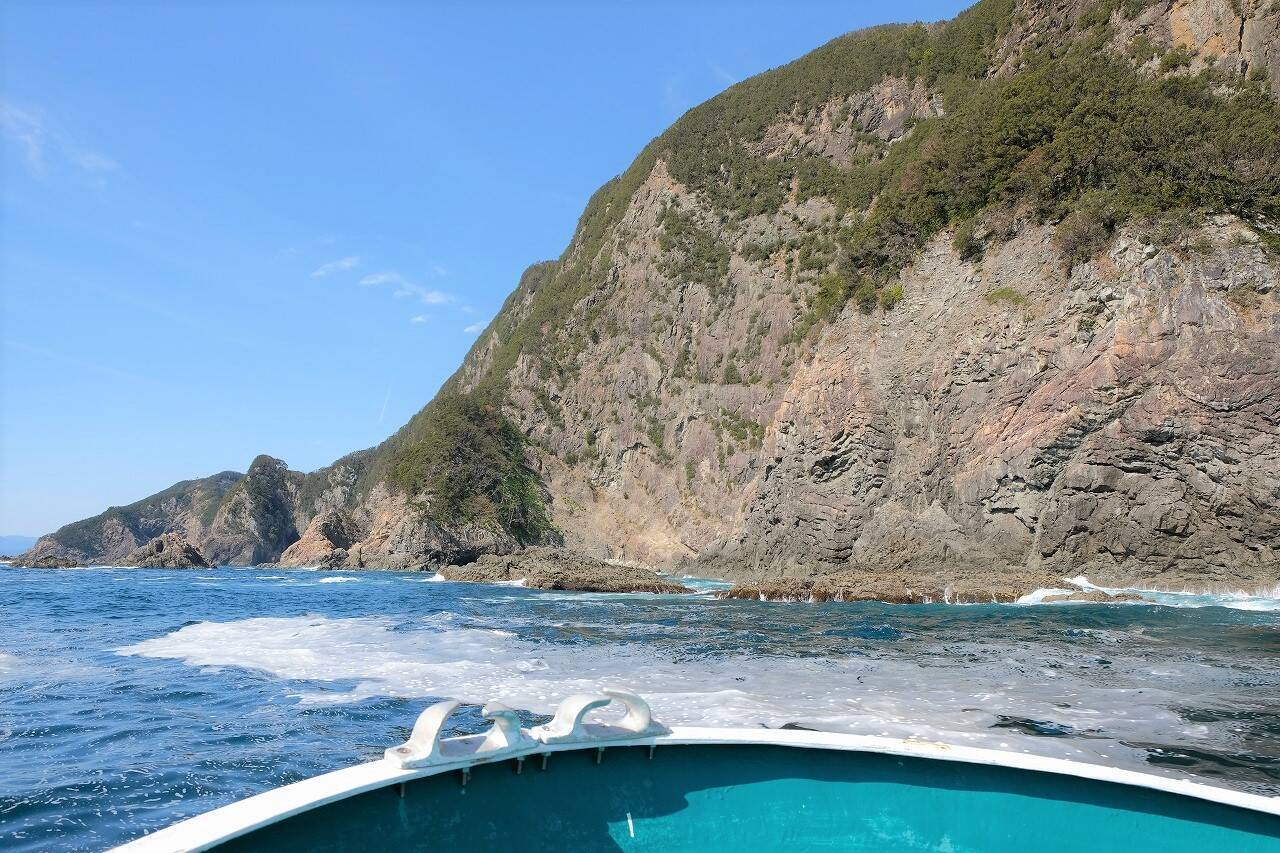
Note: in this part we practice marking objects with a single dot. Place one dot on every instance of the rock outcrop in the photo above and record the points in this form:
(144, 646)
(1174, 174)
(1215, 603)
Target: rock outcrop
(45, 561)
(256, 519)
(1093, 596)
(1119, 420)
(802, 344)
(553, 568)
(170, 551)
(911, 585)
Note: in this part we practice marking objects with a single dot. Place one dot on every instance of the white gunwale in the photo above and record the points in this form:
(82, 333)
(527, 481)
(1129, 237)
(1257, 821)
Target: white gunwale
(239, 818)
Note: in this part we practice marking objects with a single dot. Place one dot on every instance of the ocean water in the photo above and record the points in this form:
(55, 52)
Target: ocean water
(133, 698)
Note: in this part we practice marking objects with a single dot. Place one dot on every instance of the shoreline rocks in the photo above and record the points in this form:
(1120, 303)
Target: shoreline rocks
(170, 551)
(1094, 595)
(558, 569)
(46, 561)
(892, 587)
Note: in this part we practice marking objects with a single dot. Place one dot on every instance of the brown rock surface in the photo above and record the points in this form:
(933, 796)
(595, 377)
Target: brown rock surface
(170, 551)
(898, 587)
(553, 568)
(1094, 595)
(46, 561)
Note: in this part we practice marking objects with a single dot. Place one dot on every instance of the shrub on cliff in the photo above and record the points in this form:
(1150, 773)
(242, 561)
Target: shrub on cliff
(466, 460)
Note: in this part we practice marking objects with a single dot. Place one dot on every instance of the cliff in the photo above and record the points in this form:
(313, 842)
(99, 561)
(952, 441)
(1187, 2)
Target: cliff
(976, 303)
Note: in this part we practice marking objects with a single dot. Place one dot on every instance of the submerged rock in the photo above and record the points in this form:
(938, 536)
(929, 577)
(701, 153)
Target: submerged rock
(894, 587)
(555, 568)
(1092, 595)
(170, 551)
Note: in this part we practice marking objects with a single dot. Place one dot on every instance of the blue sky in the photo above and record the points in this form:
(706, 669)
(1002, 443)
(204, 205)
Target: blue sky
(230, 229)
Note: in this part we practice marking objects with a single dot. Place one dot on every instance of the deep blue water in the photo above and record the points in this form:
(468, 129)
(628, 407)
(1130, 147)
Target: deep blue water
(132, 698)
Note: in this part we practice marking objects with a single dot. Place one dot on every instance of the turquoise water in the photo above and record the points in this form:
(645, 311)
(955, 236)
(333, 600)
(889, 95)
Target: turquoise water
(130, 698)
(738, 799)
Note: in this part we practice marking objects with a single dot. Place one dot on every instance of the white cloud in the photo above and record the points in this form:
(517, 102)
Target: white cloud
(474, 328)
(348, 263)
(724, 75)
(43, 143)
(430, 297)
(381, 278)
(420, 318)
(406, 288)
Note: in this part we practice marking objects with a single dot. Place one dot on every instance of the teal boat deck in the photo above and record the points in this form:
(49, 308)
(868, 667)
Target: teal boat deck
(744, 798)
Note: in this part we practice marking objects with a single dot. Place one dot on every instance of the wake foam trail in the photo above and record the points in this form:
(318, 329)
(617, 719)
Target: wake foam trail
(1002, 695)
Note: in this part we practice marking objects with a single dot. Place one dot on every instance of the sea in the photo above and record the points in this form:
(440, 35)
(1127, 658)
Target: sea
(130, 699)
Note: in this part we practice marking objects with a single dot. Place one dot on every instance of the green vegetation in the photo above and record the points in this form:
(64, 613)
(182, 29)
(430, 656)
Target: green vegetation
(694, 254)
(1077, 138)
(891, 296)
(740, 429)
(146, 518)
(966, 242)
(467, 459)
(1007, 296)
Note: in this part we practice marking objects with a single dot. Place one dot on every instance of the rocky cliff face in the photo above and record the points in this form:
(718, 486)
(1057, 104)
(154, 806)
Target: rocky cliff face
(185, 508)
(1119, 420)
(257, 518)
(980, 303)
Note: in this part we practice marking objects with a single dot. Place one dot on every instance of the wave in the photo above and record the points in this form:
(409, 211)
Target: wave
(1167, 598)
(959, 692)
(339, 579)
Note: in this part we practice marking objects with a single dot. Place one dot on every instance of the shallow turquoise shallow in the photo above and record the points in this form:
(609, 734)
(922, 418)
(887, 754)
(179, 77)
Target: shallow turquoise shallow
(739, 799)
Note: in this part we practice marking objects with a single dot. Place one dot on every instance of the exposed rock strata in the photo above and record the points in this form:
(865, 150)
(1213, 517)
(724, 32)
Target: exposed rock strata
(1013, 420)
(169, 551)
(1120, 421)
(550, 568)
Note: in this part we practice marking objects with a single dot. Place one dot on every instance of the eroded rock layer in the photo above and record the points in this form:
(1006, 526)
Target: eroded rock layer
(944, 311)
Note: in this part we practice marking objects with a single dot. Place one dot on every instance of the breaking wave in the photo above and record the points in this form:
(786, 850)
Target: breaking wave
(1185, 598)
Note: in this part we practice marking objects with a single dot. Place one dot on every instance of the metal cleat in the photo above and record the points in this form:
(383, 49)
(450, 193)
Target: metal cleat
(424, 746)
(506, 735)
(568, 725)
(639, 717)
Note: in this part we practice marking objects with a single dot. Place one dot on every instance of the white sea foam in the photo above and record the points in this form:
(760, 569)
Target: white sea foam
(1183, 598)
(953, 693)
(338, 579)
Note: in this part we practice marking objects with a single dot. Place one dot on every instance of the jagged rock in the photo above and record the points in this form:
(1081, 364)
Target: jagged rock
(554, 568)
(170, 551)
(256, 519)
(324, 543)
